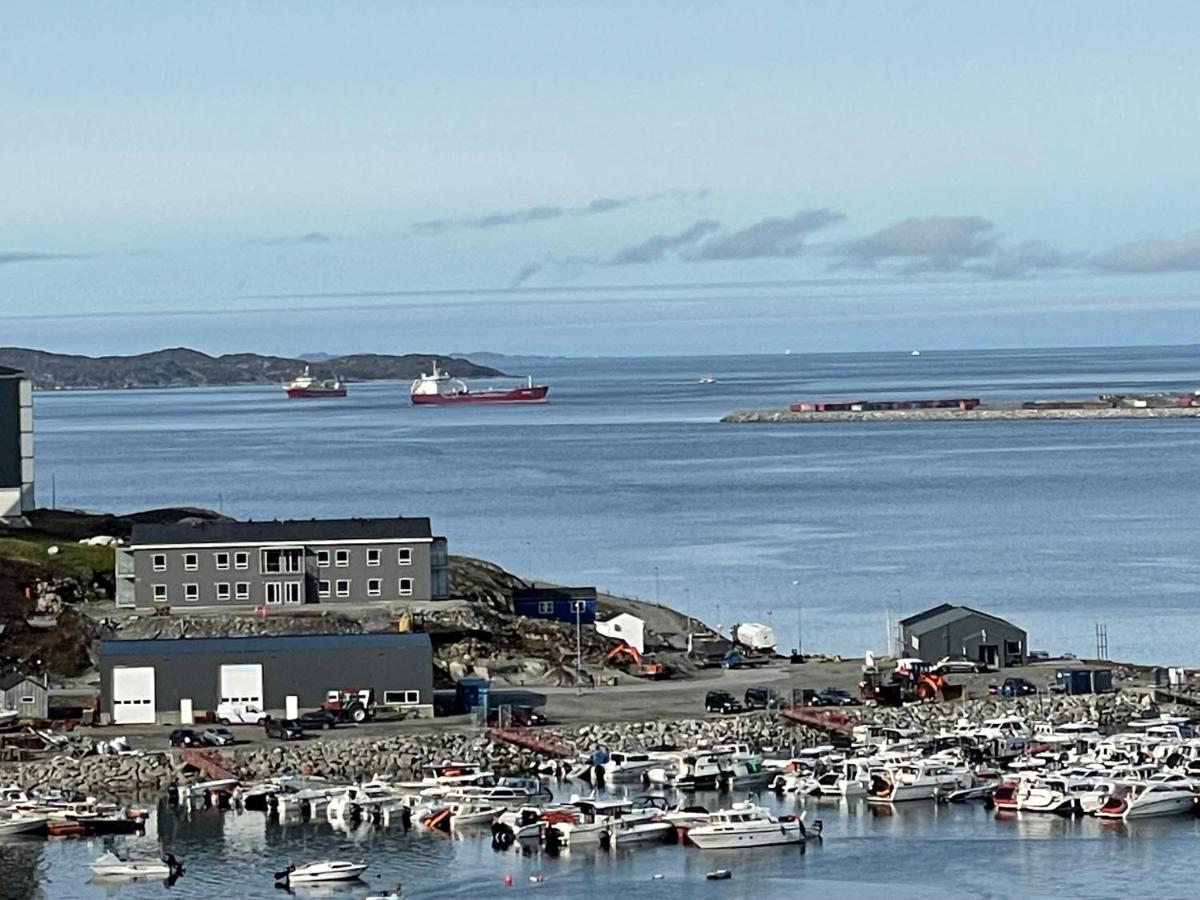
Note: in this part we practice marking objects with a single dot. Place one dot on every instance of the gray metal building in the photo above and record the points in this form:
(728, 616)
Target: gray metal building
(29, 696)
(16, 445)
(203, 563)
(948, 630)
(148, 681)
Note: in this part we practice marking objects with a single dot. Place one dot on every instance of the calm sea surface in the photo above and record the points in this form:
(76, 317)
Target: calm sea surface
(627, 480)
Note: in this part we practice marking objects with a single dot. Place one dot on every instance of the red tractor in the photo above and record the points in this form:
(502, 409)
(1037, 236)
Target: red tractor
(351, 704)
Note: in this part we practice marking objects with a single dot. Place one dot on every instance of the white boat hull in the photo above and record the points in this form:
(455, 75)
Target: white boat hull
(711, 837)
(319, 874)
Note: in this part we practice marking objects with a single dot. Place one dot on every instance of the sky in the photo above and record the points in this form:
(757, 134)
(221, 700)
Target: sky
(598, 178)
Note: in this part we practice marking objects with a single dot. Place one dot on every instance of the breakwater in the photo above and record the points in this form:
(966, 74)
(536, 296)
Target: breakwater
(979, 414)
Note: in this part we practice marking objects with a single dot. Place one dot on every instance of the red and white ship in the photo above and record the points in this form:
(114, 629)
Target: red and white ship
(440, 388)
(305, 387)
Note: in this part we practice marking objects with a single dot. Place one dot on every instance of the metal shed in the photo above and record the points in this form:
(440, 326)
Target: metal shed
(27, 695)
(147, 681)
(948, 630)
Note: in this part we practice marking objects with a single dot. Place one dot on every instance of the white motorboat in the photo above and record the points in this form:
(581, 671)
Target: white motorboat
(689, 771)
(1141, 800)
(629, 766)
(1047, 794)
(623, 821)
(464, 815)
(746, 825)
(850, 779)
(322, 872)
(23, 823)
(111, 865)
(915, 781)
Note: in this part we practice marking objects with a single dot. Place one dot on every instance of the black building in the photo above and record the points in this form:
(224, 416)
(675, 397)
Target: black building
(16, 446)
(146, 681)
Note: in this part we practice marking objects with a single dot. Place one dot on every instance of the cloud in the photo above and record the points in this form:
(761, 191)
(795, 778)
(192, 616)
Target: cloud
(1155, 255)
(18, 256)
(516, 217)
(658, 246)
(1026, 258)
(313, 237)
(774, 238)
(930, 244)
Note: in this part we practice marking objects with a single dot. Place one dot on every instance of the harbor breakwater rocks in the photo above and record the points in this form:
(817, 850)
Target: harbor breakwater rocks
(403, 754)
(980, 414)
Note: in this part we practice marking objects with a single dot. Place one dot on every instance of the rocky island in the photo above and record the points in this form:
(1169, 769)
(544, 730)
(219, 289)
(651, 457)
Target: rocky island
(184, 367)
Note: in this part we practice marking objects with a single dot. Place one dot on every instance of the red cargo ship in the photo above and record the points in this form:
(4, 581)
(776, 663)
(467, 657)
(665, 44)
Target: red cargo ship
(440, 388)
(305, 387)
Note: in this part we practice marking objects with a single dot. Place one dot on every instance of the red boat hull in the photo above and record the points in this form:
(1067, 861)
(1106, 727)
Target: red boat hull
(314, 393)
(535, 394)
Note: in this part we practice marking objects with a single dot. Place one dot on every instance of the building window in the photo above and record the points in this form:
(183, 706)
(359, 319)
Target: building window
(159, 562)
(160, 593)
(191, 562)
(288, 561)
(273, 593)
(28, 700)
(242, 591)
(222, 590)
(221, 560)
(546, 607)
(374, 556)
(241, 560)
(406, 587)
(342, 558)
(323, 559)
(375, 587)
(324, 589)
(191, 592)
(343, 587)
(404, 556)
(402, 698)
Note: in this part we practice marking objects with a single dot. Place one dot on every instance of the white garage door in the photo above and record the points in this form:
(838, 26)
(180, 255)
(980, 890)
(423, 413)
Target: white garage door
(133, 696)
(242, 684)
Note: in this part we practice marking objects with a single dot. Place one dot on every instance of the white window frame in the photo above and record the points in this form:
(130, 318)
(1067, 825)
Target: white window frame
(402, 590)
(290, 560)
(158, 562)
(341, 559)
(402, 698)
(241, 590)
(221, 560)
(375, 587)
(546, 607)
(160, 593)
(324, 589)
(340, 590)
(404, 556)
(241, 559)
(223, 590)
(374, 556)
(323, 559)
(194, 565)
(193, 589)
(293, 593)
(273, 593)
(28, 700)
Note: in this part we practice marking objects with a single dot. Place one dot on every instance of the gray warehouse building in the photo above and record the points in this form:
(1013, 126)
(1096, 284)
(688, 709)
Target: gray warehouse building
(948, 630)
(147, 681)
(16, 446)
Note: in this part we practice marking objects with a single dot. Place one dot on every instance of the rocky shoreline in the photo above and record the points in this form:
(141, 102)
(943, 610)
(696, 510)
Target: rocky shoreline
(404, 754)
(979, 414)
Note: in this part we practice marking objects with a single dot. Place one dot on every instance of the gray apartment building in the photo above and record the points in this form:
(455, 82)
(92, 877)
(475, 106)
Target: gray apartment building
(198, 563)
(16, 446)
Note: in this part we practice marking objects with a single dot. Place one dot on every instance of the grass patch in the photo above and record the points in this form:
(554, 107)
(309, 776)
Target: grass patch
(79, 560)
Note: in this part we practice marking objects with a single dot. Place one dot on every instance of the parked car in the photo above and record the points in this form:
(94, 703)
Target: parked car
(957, 664)
(721, 702)
(217, 736)
(282, 729)
(239, 714)
(1039, 655)
(519, 716)
(317, 720)
(1014, 687)
(762, 698)
(832, 696)
(183, 737)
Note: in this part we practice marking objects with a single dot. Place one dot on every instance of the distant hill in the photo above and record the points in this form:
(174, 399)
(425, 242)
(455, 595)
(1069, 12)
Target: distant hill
(182, 367)
(511, 362)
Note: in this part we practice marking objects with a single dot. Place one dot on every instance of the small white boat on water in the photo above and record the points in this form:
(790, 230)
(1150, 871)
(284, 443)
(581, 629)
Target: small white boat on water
(23, 823)
(322, 872)
(746, 825)
(111, 865)
(629, 766)
(915, 781)
(465, 815)
(707, 379)
(1141, 800)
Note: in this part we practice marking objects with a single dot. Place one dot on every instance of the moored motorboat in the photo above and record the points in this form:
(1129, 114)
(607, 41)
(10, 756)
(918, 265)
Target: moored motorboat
(1140, 800)
(112, 865)
(23, 823)
(746, 825)
(322, 872)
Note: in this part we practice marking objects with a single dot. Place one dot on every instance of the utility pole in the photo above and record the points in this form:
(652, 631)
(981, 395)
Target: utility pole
(799, 620)
(578, 644)
(656, 597)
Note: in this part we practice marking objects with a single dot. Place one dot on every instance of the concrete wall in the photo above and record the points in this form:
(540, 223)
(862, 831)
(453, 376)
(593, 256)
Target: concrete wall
(357, 572)
(950, 639)
(308, 675)
(16, 447)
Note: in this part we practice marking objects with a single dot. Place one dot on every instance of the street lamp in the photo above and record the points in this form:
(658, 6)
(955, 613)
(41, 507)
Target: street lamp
(578, 604)
(799, 620)
(656, 597)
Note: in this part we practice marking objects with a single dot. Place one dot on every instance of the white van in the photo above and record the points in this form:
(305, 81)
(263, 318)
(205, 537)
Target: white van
(239, 714)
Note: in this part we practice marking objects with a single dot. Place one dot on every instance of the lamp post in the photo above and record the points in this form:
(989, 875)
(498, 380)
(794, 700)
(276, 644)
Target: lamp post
(656, 596)
(799, 620)
(578, 604)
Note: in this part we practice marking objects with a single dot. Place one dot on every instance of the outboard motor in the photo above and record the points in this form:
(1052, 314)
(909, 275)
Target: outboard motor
(502, 836)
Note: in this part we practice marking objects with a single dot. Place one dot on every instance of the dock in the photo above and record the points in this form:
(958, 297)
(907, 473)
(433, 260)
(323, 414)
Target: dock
(212, 765)
(534, 739)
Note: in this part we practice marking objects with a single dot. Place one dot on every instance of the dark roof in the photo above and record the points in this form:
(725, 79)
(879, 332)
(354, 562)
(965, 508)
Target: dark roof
(199, 531)
(6, 372)
(945, 614)
(12, 679)
(554, 593)
(264, 644)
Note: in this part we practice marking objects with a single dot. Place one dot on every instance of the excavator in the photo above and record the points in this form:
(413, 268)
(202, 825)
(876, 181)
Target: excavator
(626, 657)
(911, 681)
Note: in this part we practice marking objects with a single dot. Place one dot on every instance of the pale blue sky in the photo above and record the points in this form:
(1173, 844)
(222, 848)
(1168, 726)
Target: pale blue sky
(895, 159)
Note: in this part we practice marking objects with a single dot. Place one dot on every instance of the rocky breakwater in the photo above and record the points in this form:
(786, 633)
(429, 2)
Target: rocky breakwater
(980, 414)
(120, 776)
(1111, 712)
